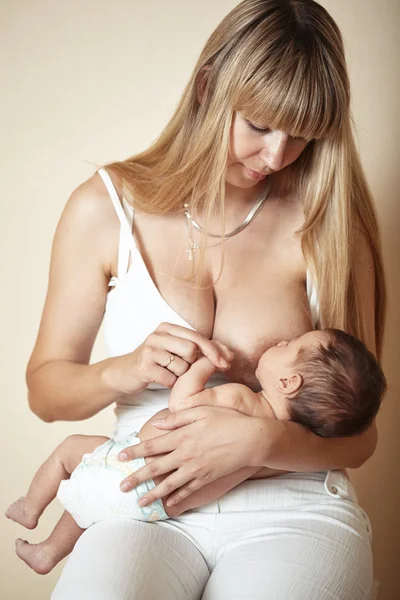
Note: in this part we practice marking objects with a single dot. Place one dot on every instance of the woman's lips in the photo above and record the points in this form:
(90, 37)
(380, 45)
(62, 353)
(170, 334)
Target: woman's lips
(254, 174)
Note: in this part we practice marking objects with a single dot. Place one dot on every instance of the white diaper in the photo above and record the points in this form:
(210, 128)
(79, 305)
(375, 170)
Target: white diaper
(92, 494)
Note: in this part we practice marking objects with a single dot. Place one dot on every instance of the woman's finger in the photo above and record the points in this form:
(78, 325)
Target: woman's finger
(225, 351)
(159, 445)
(166, 487)
(165, 377)
(179, 419)
(168, 360)
(183, 492)
(186, 349)
(150, 471)
(206, 346)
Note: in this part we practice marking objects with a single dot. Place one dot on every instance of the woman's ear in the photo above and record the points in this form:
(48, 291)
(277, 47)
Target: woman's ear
(202, 81)
(290, 385)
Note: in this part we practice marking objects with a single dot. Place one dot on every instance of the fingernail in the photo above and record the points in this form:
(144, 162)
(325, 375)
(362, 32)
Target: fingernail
(125, 487)
(122, 456)
(223, 363)
(143, 502)
(170, 502)
(159, 422)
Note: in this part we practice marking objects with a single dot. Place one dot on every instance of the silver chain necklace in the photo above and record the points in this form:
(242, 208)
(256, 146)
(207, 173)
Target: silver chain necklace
(252, 214)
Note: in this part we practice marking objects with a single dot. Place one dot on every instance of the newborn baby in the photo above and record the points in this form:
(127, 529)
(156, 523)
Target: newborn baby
(325, 380)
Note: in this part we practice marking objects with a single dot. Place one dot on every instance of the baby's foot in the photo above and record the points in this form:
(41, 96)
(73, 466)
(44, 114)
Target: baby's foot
(37, 556)
(22, 513)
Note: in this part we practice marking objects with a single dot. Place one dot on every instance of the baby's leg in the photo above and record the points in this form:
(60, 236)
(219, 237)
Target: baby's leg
(42, 491)
(43, 557)
(45, 483)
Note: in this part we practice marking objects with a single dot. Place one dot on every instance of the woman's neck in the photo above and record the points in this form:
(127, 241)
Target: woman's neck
(240, 200)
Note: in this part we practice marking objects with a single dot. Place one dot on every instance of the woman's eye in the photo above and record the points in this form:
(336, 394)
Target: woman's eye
(264, 131)
(254, 128)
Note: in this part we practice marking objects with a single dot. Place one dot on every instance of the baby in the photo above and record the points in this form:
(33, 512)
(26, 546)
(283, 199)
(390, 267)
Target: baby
(325, 380)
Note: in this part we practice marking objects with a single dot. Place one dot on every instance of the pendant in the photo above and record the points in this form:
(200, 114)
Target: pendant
(190, 251)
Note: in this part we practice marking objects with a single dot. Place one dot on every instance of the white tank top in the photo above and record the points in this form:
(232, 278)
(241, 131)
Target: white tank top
(134, 309)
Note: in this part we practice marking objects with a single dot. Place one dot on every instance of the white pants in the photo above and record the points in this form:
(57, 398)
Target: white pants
(299, 536)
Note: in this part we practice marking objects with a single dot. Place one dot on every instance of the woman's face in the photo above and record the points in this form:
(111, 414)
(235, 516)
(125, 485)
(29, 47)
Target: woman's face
(255, 154)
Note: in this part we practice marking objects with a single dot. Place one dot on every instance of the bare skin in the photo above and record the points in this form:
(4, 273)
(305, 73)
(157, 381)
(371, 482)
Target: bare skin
(272, 312)
(44, 556)
(26, 511)
(259, 300)
(268, 249)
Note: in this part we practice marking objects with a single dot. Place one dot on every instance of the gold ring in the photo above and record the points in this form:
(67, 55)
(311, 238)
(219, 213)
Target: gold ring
(171, 358)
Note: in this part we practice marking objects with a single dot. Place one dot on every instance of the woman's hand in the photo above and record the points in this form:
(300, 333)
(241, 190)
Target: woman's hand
(151, 361)
(206, 444)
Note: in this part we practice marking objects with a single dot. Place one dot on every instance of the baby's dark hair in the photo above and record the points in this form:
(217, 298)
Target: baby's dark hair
(343, 386)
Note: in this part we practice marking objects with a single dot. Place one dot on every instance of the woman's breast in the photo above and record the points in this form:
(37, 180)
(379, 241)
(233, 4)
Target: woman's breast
(266, 305)
(261, 296)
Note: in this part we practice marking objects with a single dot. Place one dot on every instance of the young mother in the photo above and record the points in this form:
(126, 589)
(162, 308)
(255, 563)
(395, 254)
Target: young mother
(264, 122)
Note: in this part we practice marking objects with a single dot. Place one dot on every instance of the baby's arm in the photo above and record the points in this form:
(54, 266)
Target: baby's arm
(190, 383)
(232, 395)
(194, 380)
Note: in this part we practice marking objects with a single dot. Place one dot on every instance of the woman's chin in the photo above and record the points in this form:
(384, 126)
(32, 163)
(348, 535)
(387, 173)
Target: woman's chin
(240, 180)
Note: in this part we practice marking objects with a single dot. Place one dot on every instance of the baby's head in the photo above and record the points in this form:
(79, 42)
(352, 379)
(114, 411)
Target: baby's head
(326, 380)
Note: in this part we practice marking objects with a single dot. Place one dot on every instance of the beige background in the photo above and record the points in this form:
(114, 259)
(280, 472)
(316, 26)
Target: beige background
(92, 81)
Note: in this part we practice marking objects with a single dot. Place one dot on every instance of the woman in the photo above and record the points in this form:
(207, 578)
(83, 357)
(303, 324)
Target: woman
(263, 124)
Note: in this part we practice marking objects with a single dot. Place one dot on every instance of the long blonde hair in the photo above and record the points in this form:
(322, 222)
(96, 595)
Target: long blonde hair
(280, 63)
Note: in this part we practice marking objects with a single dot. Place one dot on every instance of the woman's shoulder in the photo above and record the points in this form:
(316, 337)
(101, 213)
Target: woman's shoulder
(89, 219)
(90, 200)
(115, 177)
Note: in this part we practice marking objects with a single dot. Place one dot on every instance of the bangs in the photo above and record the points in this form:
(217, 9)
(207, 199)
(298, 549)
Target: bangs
(302, 96)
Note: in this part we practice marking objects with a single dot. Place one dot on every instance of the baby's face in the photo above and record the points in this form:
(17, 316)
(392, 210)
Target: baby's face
(279, 359)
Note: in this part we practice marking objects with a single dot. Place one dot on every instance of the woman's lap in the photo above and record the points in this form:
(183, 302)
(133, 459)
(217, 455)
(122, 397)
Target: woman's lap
(123, 559)
(282, 538)
(298, 558)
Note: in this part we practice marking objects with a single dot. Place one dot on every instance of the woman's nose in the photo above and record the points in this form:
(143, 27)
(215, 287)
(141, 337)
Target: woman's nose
(273, 153)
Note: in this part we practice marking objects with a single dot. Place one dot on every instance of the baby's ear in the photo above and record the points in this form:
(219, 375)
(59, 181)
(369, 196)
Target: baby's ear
(291, 384)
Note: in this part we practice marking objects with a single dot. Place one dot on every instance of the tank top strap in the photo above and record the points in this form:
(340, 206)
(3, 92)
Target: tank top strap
(126, 242)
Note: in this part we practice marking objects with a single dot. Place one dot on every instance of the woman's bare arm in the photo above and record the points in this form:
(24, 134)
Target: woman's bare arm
(61, 384)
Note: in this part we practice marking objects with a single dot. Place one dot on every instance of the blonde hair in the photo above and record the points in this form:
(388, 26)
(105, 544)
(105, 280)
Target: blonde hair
(280, 63)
